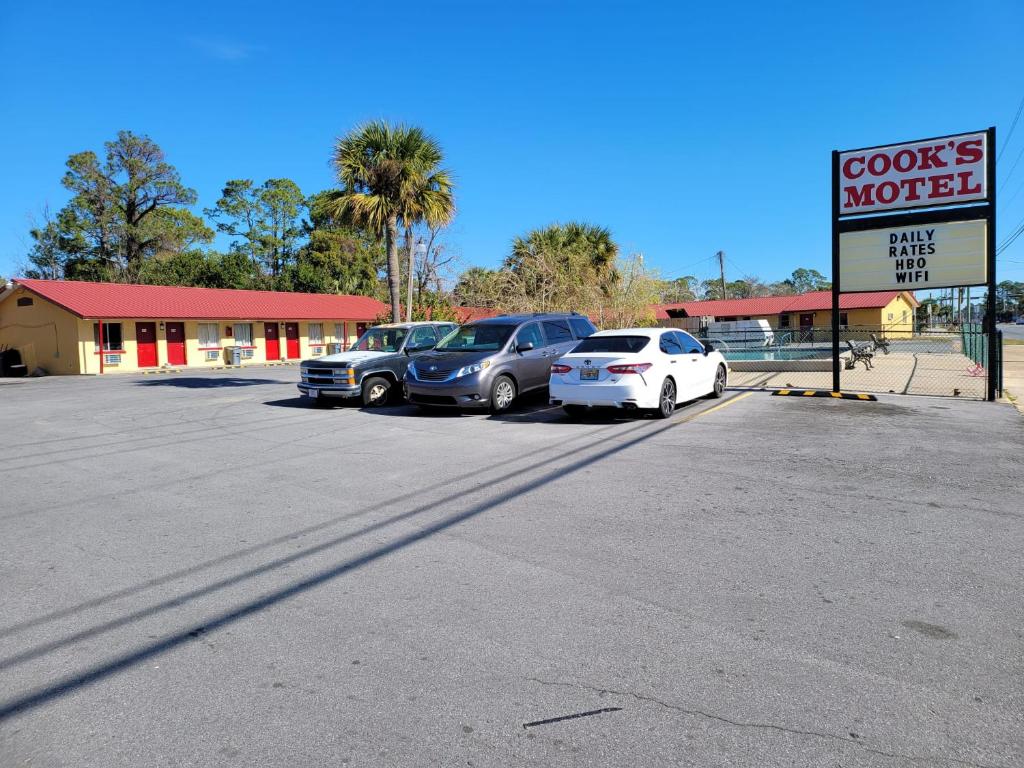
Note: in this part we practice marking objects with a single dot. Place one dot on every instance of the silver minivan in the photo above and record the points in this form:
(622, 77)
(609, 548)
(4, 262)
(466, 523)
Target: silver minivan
(489, 363)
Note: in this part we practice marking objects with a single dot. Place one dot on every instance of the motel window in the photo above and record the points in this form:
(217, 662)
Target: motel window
(243, 334)
(890, 316)
(843, 319)
(904, 315)
(783, 321)
(339, 332)
(112, 339)
(209, 336)
(25, 301)
(316, 333)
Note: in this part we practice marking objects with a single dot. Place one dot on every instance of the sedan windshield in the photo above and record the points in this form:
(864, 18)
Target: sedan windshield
(619, 344)
(485, 337)
(380, 340)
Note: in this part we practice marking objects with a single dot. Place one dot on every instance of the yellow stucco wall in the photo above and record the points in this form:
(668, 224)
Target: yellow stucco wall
(196, 356)
(44, 333)
(50, 337)
(897, 318)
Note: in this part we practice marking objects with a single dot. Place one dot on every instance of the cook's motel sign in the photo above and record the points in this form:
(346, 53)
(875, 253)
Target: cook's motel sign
(944, 171)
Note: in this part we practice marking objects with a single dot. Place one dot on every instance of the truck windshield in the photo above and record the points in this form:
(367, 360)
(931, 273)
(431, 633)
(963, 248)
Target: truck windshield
(486, 337)
(380, 340)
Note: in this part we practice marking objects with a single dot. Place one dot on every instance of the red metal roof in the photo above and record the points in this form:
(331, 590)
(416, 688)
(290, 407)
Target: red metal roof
(116, 300)
(469, 314)
(775, 305)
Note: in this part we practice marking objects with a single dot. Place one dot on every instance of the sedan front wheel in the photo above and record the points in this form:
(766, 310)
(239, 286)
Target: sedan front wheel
(719, 386)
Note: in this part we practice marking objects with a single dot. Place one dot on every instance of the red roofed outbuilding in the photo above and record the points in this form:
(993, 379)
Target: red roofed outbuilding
(889, 310)
(55, 325)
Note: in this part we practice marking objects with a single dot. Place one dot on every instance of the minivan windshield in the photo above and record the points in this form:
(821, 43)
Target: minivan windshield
(380, 340)
(484, 337)
(619, 344)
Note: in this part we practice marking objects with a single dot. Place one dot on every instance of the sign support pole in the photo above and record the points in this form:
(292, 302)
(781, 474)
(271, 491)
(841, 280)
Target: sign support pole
(835, 271)
(990, 247)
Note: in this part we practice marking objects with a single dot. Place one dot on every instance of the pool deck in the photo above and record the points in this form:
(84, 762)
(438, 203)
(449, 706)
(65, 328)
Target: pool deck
(909, 373)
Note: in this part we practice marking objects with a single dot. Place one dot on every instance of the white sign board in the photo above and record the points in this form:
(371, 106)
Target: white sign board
(913, 258)
(941, 171)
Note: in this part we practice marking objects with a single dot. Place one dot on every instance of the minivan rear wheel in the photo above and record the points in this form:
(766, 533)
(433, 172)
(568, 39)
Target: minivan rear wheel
(503, 392)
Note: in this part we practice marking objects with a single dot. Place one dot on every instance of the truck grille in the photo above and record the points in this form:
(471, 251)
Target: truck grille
(325, 376)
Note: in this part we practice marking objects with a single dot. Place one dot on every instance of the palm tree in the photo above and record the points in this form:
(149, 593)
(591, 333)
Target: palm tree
(390, 176)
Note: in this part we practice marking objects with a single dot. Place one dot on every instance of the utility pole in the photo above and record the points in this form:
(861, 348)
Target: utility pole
(721, 270)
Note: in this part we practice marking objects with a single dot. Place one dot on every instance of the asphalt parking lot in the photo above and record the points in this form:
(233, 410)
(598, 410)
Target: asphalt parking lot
(201, 571)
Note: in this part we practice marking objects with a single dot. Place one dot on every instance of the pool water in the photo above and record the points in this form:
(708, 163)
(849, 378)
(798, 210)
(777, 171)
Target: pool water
(778, 354)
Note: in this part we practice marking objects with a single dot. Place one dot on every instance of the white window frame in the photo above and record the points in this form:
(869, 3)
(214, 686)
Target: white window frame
(318, 340)
(243, 339)
(205, 343)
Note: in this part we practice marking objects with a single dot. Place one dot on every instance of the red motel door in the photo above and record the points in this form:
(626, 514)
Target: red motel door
(291, 333)
(806, 327)
(145, 337)
(273, 341)
(360, 329)
(176, 343)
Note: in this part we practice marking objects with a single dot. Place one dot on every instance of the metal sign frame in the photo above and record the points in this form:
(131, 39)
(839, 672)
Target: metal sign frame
(932, 214)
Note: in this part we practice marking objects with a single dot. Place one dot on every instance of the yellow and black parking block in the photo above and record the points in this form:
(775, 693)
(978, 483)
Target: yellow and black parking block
(824, 393)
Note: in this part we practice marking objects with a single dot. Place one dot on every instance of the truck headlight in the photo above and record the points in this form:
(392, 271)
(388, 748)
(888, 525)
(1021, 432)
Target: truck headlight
(474, 368)
(411, 370)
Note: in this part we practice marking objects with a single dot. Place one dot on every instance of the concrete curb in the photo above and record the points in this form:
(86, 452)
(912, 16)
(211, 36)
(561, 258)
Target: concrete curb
(212, 368)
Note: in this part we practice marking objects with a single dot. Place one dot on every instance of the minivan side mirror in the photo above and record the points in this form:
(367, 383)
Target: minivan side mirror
(526, 346)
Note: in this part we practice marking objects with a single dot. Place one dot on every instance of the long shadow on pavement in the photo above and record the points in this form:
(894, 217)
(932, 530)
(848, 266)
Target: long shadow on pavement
(103, 670)
(18, 658)
(202, 382)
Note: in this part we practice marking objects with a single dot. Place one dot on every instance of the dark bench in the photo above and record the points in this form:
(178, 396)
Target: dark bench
(861, 353)
(879, 344)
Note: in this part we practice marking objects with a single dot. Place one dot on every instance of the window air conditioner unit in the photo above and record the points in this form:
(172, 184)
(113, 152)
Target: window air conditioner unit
(111, 359)
(212, 355)
(247, 352)
(318, 350)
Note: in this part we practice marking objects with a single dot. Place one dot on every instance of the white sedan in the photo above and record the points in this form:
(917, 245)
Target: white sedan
(637, 368)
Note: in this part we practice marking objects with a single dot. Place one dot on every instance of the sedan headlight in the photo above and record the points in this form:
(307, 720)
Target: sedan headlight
(474, 368)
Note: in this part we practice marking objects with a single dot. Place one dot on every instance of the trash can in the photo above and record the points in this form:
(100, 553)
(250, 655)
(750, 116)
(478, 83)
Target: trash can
(334, 349)
(234, 355)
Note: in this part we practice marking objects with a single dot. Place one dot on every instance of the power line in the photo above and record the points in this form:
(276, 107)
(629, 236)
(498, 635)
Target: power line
(1012, 126)
(1013, 167)
(1013, 236)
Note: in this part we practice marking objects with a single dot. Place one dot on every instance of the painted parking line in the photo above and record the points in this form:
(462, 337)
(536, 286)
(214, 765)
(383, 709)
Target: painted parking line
(720, 406)
(824, 393)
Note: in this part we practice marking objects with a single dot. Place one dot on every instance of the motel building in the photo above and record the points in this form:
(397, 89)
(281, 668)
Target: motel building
(888, 312)
(56, 325)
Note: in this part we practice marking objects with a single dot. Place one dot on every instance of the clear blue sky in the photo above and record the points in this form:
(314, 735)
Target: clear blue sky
(684, 127)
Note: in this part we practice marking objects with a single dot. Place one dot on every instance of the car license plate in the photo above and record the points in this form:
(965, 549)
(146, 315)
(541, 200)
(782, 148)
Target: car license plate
(588, 374)
(312, 392)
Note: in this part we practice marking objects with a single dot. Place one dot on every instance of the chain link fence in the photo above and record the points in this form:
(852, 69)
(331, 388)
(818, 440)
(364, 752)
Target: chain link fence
(944, 362)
